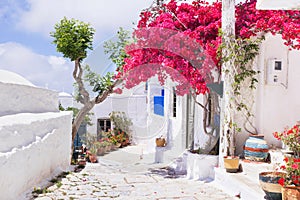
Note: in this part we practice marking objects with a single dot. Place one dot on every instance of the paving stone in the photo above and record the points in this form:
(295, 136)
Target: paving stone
(43, 198)
(100, 181)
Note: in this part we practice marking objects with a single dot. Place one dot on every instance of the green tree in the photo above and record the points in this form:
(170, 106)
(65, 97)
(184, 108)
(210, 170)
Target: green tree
(73, 39)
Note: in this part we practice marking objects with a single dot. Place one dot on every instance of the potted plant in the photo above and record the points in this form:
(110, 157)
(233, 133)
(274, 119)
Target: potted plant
(231, 161)
(101, 148)
(290, 138)
(237, 56)
(269, 184)
(92, 154)
(121, 124)
(290, 181)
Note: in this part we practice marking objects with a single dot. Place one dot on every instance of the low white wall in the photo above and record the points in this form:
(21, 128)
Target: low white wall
(36, 146)
(201, 166)
(17, 98)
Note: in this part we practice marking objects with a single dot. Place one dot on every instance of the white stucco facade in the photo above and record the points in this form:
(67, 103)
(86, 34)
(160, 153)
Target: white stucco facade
(278, 103)
(138, 105)
(35, 138)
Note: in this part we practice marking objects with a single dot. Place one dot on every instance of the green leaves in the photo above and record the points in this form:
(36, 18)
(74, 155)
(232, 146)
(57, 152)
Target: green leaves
(116, 49)
(241, 53)
(73, 38)
(97, 82)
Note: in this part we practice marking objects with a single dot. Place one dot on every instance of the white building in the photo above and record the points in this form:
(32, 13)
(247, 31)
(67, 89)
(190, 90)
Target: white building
(35, 138)
(276, 103)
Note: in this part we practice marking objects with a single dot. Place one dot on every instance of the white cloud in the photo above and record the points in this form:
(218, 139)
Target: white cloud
(104, 16)
(40, 16)
(54, 72)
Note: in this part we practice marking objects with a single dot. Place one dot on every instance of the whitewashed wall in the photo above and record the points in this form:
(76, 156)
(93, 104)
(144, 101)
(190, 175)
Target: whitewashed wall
(176, 127)
(278, 105)
(134, 107)
(33, 148)
(35, 138)
(200, 138)
(17, 98)
(65, 99)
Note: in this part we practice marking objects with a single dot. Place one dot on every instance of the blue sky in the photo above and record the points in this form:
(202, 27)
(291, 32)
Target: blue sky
(25, 43)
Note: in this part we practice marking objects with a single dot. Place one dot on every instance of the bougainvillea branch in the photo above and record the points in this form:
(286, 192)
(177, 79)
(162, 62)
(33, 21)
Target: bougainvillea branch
(197, 26)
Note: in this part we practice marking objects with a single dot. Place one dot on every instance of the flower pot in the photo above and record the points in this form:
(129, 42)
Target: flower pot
(123, 144)
(101, 151)
(231, 163)
(160, 142)
(108, 148)
(290, 192)
(118, 145)
(82, 162)
(269, 183)
(93, 158)
(256, 148)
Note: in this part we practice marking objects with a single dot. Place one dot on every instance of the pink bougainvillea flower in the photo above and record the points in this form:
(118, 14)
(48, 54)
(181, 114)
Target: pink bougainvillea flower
(118, 91)
(197, 24)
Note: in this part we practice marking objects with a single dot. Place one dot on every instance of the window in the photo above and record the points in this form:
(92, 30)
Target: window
(104, 124)
(174, 102)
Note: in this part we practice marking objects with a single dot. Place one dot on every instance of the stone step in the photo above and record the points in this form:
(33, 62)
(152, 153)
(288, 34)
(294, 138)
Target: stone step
(244, 184)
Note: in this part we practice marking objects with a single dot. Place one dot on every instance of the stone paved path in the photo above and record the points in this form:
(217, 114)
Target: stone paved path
(111, 181)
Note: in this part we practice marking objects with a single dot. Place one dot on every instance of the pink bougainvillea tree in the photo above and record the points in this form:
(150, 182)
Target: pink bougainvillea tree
(162, 29)
(181, 41)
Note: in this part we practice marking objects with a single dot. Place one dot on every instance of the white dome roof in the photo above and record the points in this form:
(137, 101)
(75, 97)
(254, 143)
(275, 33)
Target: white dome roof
(11, 77)
(64, 94)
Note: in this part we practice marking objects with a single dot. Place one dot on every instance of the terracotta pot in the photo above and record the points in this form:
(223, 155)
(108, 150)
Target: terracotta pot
(123, 144)
(101, 151)
(269, 183)
(118, 145)
(290, 192)
(108, 148)
(160, 142)
(231, 163)
(93, 158)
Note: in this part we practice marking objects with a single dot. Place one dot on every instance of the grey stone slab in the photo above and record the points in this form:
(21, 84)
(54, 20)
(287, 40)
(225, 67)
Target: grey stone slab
(43, 198)
(139, 179)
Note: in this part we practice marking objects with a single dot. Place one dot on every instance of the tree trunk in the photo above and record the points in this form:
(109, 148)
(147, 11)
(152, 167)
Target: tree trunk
(80, 117)
(227, 145)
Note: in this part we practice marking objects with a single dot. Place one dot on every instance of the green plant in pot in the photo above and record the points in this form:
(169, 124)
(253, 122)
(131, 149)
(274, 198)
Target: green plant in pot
(238, 55)
(121, 124)
(269, 184)
(92, 153)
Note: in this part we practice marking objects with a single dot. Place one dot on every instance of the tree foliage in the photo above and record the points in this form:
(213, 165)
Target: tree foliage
(201, 22)
(116, 49)
(73, 38)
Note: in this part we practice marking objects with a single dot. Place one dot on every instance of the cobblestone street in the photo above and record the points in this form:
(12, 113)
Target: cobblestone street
(111, 179)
